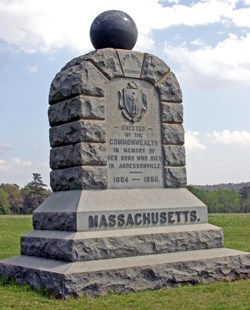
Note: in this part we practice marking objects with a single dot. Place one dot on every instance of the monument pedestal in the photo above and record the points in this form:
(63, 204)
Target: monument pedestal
(169, 247)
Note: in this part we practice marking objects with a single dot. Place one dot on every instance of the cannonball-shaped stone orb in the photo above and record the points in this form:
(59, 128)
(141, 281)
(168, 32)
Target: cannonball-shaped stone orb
(114, 29)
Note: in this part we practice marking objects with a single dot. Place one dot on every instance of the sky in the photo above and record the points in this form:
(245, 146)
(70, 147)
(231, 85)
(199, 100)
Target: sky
(205, 43)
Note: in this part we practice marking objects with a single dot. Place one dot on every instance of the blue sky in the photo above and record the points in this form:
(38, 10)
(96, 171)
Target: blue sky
(205, 43)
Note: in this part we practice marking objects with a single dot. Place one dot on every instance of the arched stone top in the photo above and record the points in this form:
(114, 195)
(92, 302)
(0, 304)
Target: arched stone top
(79, 117)
(88, 74)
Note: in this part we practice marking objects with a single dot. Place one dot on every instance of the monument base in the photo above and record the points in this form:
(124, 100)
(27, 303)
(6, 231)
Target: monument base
(129, 273)
(123, 240)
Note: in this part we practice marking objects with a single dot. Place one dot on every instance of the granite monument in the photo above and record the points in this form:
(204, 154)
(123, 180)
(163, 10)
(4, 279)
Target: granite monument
(120, 216)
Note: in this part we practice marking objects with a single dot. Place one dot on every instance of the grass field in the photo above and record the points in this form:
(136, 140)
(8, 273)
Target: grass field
(223, 295)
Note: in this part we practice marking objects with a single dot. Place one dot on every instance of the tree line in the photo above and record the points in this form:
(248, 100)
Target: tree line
(224, 200)
(16, 200)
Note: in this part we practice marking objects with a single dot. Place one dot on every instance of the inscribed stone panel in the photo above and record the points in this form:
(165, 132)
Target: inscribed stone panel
(134, 146)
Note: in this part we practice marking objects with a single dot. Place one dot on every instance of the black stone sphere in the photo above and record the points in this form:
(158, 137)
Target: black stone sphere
(114, 29)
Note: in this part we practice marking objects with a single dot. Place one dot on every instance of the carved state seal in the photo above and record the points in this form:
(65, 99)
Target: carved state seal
(132, 102)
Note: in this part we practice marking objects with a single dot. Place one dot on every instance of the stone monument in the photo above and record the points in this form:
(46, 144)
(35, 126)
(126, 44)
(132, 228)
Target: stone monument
(120, 217)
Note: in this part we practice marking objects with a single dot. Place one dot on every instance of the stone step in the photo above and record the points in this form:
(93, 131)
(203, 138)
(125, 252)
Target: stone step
(93, 245)
(128, 273)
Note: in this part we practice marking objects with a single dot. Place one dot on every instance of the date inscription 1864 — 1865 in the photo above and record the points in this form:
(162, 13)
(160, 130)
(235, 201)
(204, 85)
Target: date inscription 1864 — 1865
(134, 153)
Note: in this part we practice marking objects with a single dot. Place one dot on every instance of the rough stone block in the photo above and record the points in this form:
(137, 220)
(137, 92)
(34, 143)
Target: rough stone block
(128, 273)
(172, 134)
(169, 89)
(153, 69)
(61, 220)
(79, 154)
(175, 177)
(84, 246)
(105, 60)
(82, 177)
(78, 60)
(172, 113)
(80, 107)
(77, 80)
(174, 155)
(58, 212)
(77, 131)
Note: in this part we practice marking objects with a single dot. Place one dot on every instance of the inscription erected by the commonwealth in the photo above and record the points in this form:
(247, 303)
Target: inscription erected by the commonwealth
(134, 152)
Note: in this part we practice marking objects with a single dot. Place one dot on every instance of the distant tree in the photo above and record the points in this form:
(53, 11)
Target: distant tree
(4, 202)
(221, 200)
(34, 193)
(202, 194)
(245, 199)
(15, 199)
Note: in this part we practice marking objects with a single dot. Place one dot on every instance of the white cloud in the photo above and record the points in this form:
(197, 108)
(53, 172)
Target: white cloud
(192, 141)
(44, 25)
(31, 69)
(230, 137)
(14, 164)
(199, 42)
(228, 62)
(6, 146)
(2, 164)
(241, 17)
(19, 171)
(172, 1)
(224, 160)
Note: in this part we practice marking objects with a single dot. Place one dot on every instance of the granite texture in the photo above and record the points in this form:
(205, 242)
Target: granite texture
(77, 80)
(57, 212)
(126, 274)
(79, 107)
(94, 246)
(77, 131)
(78, 154)
(105, 60)
(169, 89)
(175, 177)
(78, 112)
(174, 155)
(81, 177)
(172, 113)
(172, 134)
(154, 69)
(61, 221)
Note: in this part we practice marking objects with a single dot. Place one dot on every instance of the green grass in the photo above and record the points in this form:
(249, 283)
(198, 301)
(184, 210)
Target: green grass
(220, 295)
(11, 228)
(236, 228)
